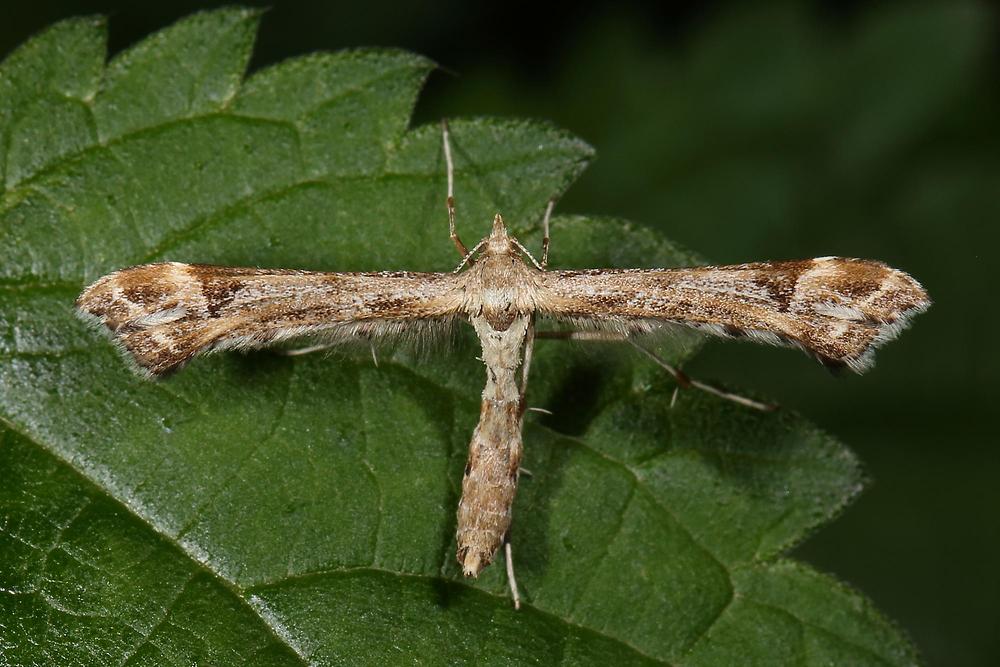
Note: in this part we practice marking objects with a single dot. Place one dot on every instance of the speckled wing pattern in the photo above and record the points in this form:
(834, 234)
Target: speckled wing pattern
(164, 314)
(836, 309)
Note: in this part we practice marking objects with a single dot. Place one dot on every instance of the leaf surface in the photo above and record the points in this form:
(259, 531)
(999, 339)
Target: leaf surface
(273, 510)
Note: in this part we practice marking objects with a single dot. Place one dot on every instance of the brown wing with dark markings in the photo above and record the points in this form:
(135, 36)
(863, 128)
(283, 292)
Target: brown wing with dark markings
(164, 314)
(838, 310)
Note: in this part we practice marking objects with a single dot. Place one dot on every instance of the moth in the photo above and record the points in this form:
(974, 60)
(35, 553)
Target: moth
(837, 310)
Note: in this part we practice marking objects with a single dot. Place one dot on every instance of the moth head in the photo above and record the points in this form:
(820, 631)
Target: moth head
(498, 242)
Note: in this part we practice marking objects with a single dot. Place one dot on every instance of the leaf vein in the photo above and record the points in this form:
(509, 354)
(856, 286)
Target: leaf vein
(605, 552)
(819, 628)
(238, 593)
(236, 470)
(83, 153)
(362, 392)
(637, 481)
(167, 608)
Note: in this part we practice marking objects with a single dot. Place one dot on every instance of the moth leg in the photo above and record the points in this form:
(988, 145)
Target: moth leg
(545, 240)
(599, 336)
(511, 581)
(545, 232)
(450, 200)
(610, 336)
(529, 348)
(683, 381)
(299, 351)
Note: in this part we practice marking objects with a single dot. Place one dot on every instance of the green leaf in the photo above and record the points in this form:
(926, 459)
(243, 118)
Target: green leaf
(274, 510)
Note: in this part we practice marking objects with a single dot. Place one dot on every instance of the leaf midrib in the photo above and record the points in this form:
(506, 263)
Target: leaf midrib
(242, 594)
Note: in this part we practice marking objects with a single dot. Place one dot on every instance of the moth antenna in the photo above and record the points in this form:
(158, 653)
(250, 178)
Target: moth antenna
(527, 254)
(468, 259)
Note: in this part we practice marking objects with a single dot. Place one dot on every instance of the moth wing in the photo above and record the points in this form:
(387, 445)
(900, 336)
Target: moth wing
(837, 310)
(164, 314)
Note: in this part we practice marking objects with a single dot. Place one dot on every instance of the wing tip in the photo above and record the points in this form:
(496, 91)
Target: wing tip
(887, 330)
(134, 363)
(130, 330)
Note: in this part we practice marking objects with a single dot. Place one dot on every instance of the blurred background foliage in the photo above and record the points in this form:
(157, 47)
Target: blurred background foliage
(764, 131)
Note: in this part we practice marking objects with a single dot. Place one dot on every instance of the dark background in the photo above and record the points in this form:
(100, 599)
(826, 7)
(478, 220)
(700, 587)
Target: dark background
(778, 130)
